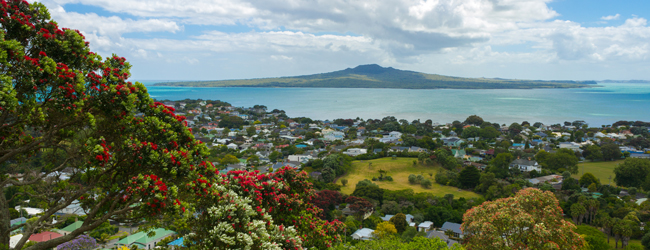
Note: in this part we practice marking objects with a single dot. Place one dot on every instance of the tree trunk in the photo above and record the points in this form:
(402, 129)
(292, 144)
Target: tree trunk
(5, 219)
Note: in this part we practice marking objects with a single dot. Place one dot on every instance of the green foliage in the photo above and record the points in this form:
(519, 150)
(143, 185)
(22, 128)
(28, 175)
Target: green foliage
(596, 240)
(426, 183)
(610, 152)
(399, 220)
(469, 177)
(395, 243)
(562, 159)
(500, 165)
(632, 172)
(587, 179)
(514, 221)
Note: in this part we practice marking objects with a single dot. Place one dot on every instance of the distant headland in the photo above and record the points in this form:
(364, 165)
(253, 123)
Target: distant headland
(375, 76)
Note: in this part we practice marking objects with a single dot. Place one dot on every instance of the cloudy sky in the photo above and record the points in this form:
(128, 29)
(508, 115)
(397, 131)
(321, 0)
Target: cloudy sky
(235, 39)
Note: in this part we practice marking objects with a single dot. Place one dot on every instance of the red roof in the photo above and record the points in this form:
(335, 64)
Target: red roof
(44, 236)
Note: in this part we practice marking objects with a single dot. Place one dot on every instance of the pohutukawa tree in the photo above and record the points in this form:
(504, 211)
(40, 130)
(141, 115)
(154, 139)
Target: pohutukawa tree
(74, 130)
(532, 219)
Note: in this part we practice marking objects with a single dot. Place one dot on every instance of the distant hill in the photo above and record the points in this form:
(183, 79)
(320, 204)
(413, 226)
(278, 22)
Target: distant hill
(625, 81)
(375, 76)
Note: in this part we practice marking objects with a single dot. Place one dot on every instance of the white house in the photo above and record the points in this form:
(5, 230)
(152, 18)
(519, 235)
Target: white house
(525, 165)
(570, 145)
(356, 151)
(233, 146)
(300, 158)
(425, 226)
(363, 234)
(395, 134)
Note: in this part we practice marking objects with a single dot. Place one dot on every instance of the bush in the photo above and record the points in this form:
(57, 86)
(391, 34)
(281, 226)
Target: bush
(419, 178)
(412, 179)
(426, 183)
(388, 178)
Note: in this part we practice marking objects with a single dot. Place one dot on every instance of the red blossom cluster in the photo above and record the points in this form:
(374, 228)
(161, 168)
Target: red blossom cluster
(286, 196)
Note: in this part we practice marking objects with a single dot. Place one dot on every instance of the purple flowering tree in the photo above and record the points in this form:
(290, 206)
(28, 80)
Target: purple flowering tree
(83, 242)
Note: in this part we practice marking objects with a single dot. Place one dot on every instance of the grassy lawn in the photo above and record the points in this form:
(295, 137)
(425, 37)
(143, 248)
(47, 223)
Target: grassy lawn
(601, 169)
(632, 242)
(399, 169)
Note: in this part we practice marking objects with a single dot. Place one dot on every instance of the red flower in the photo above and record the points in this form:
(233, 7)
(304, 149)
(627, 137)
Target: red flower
(42, 53)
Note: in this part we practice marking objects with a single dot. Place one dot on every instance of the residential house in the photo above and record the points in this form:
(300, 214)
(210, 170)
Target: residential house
(551, 179)
(333, 135)
(525, 165)
(13, 240)
(44, 236)
(355, 151)
(452, 141)
(425, 226)
(442, 236)
(570, 145)
(233, 146)
(300, 158)
(454, 227)
(415, 149)
(363, 234)
(74, 226)
(143, 240)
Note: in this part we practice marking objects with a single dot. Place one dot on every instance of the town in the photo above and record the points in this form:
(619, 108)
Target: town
(414, 178)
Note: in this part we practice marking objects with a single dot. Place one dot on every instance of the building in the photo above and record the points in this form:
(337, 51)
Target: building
(355, 151)
(425, 226)
(442, 236)
(44, 236)
(363, 234)
(454, 227)
(74, 226)
(525, 165)
(142, 240)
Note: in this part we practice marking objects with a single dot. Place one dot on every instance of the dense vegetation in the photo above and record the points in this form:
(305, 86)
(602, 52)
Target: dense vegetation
(375, 76)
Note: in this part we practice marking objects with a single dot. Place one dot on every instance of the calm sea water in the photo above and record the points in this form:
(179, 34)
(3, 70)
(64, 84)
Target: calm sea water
(605, 105)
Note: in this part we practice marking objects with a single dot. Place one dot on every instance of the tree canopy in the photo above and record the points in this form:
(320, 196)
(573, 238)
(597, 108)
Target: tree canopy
(532, 219)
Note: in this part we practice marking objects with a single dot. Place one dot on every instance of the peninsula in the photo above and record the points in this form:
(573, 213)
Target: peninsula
(375, 76)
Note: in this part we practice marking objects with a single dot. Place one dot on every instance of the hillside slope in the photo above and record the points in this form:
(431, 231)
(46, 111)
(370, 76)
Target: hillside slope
(375, 76)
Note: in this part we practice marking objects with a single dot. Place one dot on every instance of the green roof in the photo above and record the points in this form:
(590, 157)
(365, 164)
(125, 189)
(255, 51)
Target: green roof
(131, 238)
(159, 233)
(141, 238)
(74, 226)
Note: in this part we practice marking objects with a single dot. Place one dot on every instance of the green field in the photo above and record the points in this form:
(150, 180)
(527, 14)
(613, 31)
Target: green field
(399, 169)
(601, 169)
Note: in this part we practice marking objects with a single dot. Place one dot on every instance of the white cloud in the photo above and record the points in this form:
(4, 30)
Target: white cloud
(409, 34)
(609, 18)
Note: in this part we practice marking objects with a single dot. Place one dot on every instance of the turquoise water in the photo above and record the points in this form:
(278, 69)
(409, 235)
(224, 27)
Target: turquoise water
(605, 105)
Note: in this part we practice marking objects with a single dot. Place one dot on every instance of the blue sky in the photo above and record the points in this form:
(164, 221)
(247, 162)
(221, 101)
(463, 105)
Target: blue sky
(236, 39)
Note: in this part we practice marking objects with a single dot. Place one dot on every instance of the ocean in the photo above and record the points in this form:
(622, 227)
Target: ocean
(606, 104)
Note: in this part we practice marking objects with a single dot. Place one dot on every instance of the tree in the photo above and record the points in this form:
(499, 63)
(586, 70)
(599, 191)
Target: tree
(273, 156)
(399, 220)
(229, 159)
(390, 207)
(344, 182)
(83, 242)
(500, 165)
(587, 179)
(426, 183)
(632, 172)
(593, 153)
(577, 212)
(474, 120)
(471, 132)
(413, 179)
(516, 221)
(610, 152)
(489, 132)
(253, 160)
(248, 210)
(125, 154)
(394, 243)
(645, 241)
(327, 174)
(384, 229)
(469, 177)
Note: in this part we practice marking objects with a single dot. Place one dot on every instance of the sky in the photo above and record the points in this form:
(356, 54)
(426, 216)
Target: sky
(242, 39)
